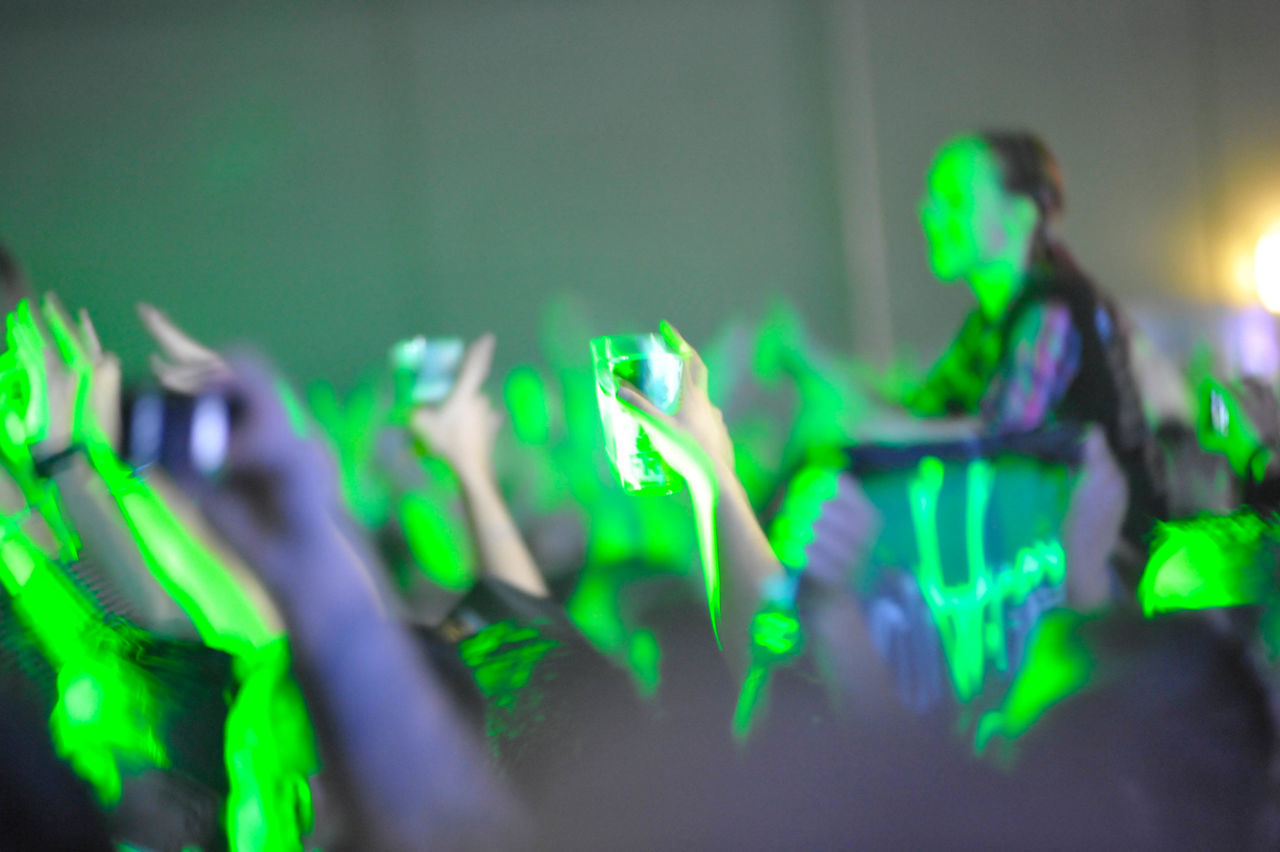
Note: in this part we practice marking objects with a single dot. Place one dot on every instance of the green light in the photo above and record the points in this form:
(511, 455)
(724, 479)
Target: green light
(965, 203)
(224, 613)
(776, 633)
(270, 752)
(1057, 666)
(644, 656)
(503, 658)
(970, 615)
(353, 432)
(26, 342)
(104, 711)
(683, 454)
(792, 530)
(82, 700)
(437, 547)
(526, 396)
(296, 412)
(1210, 562)
(777, 639)
(752, 701)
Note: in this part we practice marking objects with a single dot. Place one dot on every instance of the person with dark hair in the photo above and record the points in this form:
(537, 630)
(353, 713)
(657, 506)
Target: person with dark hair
(1159, 729)
(1044, 343)
(13, 284)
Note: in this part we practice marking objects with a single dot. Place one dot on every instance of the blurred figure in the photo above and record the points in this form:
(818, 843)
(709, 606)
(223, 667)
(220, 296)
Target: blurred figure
(1044, 343)
(403, 761)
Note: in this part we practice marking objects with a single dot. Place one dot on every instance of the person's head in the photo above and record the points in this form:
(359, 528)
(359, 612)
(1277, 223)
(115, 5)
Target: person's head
(990, 199)
(13, 284)
(1168, 741)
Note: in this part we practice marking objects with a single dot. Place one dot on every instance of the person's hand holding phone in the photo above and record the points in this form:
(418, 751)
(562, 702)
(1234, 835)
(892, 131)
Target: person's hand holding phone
(1223, 424)
(73, 385)
(462, 429)
(277, 491)
(695, 434)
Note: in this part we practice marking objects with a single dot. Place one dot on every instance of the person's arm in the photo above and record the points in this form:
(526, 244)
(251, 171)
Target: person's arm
(147, 549)
(1237, 420)
(106, 540)
(407, 764)
(738, 559)
(461, 431)
(1042, 359)
(81, 402)
(944, 405)
(956, 381)
(737, 554)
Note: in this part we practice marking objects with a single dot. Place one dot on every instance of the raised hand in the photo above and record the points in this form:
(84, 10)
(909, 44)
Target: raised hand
(1223, 425)
(95, 372)
(695, 442)
(696, 419)
(462, 429)
(72, 386)
(277, 490)
(462, 432)
(182, 364)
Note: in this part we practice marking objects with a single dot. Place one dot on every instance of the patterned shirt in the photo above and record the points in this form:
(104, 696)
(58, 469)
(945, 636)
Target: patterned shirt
(1012, 383)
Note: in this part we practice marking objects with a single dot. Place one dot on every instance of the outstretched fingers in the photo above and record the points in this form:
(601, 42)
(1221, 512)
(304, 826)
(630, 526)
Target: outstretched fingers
(695, 371)
(173, 341)
(89, 334)
(475, 365)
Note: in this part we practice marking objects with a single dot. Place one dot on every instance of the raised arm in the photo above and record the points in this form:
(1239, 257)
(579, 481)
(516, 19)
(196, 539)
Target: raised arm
(736, 552)
(78, 421)
(414, 777)
(461, 431)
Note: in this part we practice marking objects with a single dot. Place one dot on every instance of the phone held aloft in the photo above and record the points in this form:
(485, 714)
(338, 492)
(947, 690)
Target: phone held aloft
(646, 362)
(187, 435)
(423, 370)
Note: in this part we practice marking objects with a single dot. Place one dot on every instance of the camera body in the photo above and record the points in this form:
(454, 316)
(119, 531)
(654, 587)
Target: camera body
(187, 435)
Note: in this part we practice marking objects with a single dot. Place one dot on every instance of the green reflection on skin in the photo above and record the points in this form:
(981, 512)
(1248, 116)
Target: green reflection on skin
(269, 751)
(976, 231)
(105, 714)
(777, 638)
(1210, 562)
(792, 530)
(1057, 666)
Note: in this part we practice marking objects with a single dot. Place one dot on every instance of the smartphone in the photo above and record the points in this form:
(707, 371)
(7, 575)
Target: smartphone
(186, 435)
(424, 370)
(1213, 411)
(647, 363)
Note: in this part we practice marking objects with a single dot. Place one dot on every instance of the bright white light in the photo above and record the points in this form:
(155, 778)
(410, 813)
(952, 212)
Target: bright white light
(1266, 269)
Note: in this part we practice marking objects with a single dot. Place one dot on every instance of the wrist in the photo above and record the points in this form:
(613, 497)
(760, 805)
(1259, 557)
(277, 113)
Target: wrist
(1259, 461)
(48, 462)
(474, 473)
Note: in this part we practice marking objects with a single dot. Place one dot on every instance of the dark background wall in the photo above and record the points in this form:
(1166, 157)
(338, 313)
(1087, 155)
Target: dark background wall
(324, 178)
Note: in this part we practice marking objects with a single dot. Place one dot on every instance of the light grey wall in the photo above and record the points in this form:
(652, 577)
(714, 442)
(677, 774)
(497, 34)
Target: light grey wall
(1112, 85)
(328, 177)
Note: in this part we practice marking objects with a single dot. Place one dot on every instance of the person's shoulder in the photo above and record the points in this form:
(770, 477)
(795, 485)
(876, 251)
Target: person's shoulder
(1071, 291)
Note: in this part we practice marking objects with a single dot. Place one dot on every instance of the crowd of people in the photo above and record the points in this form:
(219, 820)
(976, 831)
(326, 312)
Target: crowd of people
(1009, 602)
